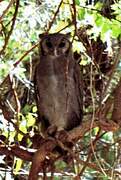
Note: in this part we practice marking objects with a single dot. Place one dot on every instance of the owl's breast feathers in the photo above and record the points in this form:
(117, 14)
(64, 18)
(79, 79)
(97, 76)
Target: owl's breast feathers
(59, 93)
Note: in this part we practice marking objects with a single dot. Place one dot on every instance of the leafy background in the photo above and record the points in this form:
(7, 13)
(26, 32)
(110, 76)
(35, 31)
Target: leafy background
(95, 28)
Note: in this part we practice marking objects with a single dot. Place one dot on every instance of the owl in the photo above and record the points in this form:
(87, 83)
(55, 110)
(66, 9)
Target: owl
(58, 84)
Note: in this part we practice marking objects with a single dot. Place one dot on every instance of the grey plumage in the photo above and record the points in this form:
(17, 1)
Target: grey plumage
(58, 83)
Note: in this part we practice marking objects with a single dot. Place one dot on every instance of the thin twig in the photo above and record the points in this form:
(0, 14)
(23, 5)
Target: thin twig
(116, 61)
(53, 19)
(7, 8)
(12, 27)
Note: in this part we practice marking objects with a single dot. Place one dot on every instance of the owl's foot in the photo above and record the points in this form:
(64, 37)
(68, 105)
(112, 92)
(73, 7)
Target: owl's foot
(51, 131)
(64, 145)
(62, 136)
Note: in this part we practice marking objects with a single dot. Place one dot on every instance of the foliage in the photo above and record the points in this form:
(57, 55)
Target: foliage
(95, 31)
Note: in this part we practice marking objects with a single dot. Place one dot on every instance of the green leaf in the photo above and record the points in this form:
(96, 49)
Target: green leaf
(108, 137)
(18, 165)
(98, 20)
(23, 126)
(81, 13)
(77, 2)
(20, 136)
(98, 5)
(116, 29)
(61, 164)
(30, 120)
(34, 109)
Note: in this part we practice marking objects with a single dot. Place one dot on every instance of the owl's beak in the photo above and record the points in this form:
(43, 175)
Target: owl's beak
(55, 52)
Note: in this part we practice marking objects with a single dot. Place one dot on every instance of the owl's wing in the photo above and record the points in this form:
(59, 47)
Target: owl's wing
(35, 62)
(37, 99)
(79, 87)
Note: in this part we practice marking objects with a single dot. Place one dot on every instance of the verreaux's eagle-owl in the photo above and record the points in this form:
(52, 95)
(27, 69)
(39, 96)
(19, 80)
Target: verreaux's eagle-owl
(58, 84)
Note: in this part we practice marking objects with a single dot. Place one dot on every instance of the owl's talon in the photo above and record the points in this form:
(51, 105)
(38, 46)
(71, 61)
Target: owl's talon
(52, 130)
(62, 135)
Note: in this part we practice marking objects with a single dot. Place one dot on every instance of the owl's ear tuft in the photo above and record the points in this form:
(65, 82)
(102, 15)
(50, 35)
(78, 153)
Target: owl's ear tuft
(42, 35)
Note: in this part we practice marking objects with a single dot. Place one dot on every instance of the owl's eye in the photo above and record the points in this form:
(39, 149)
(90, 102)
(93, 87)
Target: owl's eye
(62, 44)
(49, 44)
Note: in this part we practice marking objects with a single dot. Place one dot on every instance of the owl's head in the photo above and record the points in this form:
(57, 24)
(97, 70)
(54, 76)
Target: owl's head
(55, 44)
